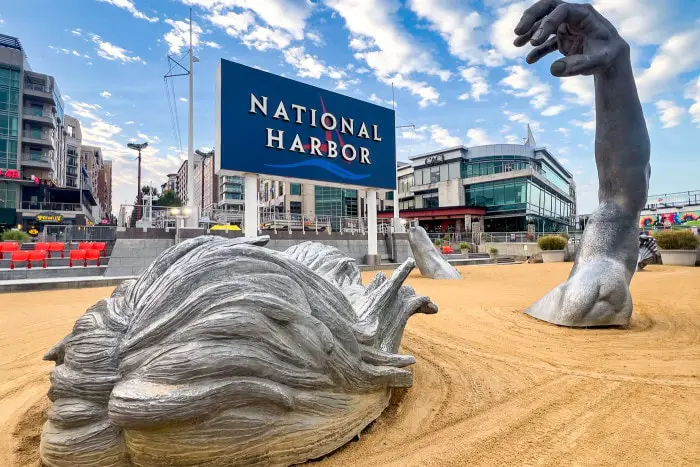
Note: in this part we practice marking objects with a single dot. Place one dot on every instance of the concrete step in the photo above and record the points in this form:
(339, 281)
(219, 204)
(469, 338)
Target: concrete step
(49, 273)
(50, 262)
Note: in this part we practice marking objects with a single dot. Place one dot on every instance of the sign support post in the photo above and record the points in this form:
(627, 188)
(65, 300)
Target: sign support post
(250, 207)
(372, 256)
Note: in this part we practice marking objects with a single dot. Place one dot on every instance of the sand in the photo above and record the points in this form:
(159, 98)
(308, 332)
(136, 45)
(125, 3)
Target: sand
(492, 386)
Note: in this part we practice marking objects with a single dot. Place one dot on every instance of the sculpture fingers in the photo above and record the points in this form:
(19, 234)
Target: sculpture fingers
(545, 49)
(535, 13)
(564, 13)
(584, 64)
(523, 39)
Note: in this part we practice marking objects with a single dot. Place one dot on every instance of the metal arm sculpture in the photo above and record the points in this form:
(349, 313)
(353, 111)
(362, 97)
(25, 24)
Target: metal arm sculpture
(597, 291)
(647, 250)
(429, 261)
(226, 353)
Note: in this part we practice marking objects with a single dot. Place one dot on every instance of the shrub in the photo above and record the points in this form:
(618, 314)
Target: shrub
(465, 246)
(15, 236)
(493, 251)
(676, 240)
(437, 242)
(551, 242)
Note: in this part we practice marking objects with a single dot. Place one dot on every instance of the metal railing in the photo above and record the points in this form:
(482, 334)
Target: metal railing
(36, 87)
(33, 135)
(46, 206)
(35, 112)
(36, 157)
(78, 233)
(680, 199)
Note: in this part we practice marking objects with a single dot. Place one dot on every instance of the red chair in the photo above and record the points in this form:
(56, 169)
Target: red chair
(77, 255)
(36, 256)
(8, 247)
(85, 246)
(19, 257)
(447, 250)
(100, 246)
(92, 255)
(42, 246)
(57, 247)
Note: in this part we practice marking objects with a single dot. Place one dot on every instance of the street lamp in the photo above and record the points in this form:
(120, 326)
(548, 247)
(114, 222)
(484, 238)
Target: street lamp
(138, 147)
(204, 155)
(179, 213)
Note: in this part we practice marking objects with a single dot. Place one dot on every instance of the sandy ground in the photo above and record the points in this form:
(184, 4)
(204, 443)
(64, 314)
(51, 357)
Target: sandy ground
(492, 386)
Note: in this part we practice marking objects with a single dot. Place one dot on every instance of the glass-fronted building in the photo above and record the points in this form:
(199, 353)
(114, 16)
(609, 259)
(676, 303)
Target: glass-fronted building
(521, 187)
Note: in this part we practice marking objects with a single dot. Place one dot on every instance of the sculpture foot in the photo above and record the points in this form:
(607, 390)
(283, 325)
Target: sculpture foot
(596, 294)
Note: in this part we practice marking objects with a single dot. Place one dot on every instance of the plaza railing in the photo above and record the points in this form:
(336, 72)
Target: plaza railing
(78, 233)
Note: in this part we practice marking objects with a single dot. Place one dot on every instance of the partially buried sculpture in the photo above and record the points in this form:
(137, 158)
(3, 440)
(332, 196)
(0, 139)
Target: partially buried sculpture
(597, 291)
(428, 259)
(226, 353)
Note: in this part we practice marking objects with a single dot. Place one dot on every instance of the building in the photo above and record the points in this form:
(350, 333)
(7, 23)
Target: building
(91, 167)
(182, 183)
(74, 139)
(171, 184)
(104, 191)
(671, 209)
(231, 190)
(206, 185)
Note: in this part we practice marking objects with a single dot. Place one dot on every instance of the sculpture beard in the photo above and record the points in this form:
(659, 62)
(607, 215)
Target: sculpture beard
(223, 353)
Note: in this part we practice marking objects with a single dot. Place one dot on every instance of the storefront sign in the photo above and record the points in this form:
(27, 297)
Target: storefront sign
(9, 173)
(271, 125)
(49, 218)
(435, 160)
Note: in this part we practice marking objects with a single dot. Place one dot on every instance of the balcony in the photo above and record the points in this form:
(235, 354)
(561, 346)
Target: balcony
(40, 116)
(37, 138)
(52, 207)
(39, 160)
(39, 91)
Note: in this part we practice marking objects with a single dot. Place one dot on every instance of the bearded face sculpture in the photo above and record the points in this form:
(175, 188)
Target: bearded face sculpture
(226, 353)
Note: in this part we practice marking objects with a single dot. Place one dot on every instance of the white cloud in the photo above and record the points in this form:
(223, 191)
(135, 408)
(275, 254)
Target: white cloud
(128, 5)
(476, 77)
(442, 137)
(362, 70)
(692, 92)
(381, 42)
(563, 131)
(309, 66)
(523, 120)
(178, 38)
(502, 35)
(669, 113)
(85, 110)
(427, 94)
(150, 139)
(456, 24)
(77, 32)
(112, 52)
(130, 122)
(477, 137)
(106, 94)
(411, 135)
(586, 125)
(524, 83)
(344, 84)
(513, 139)
(315, 38)
(678, 54)
(2, 20)
(183, 99)
(640, 21)
(378, 100)
(262, 38)
(582, 89)
(76, 53)
(553, 110)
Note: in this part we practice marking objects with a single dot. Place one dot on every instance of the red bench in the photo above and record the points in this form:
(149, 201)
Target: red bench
(92, 255)
(100, 247)
(77, 255)
(57, 247)
(19, 257)
(37, 256)
(8, 247)
(42, 246)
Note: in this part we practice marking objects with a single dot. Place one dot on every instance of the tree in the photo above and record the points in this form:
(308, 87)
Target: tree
(168, 198)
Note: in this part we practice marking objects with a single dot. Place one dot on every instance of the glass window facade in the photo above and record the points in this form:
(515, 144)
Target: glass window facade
(551, 175)
(9, 117)
(437, 173)
(8, 195)
(295, 189)
(501, 164)
(335, 202)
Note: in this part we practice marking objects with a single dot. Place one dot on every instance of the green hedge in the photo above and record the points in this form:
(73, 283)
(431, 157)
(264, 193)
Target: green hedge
(551, 242)
(15, 236)
(465, 246)
(676, 240)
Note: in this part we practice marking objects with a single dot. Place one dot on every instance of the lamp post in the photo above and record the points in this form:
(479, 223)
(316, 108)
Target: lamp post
(178, 214)
(138, 147)
(204, 155)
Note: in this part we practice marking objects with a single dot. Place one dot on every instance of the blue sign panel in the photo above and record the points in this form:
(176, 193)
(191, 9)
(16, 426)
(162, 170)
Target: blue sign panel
(271, 125)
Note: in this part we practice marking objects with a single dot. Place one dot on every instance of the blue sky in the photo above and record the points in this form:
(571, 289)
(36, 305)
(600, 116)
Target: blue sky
(456, 74)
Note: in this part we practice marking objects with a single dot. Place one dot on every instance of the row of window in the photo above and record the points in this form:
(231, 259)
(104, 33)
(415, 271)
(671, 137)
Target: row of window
(437, 173)
(8, 195)
(9, 78)
(8, 126)
(8, 153)
(479, 169)
(9, 100)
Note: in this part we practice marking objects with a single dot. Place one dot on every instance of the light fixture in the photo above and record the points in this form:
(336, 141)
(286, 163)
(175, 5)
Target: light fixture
(175, 211)
(19, 226)
(186, 211)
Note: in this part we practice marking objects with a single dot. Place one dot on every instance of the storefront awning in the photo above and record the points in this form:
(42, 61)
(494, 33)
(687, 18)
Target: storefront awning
(450, 212)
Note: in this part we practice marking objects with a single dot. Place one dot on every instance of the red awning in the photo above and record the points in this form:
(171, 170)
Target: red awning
(455, 212)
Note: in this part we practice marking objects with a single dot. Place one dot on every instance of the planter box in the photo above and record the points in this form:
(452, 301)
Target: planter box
(678, 257)
(465, 253)
(553, 256)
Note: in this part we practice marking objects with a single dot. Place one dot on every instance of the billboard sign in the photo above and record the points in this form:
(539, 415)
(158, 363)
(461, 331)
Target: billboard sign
(271, 125)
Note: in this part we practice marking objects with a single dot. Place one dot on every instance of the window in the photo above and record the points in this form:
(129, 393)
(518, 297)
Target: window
(434, 175)
(71, 131)
(8, 194)
(389, 195)
(455, 170)
(295, 189)
(418, 177)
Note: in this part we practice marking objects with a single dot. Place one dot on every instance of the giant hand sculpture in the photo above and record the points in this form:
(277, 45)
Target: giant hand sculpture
(597, 291)
(226, 353)
(428, 259)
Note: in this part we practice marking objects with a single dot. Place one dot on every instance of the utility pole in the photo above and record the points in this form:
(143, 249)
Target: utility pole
(190, 130)
(139, 194)
(396, 192)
